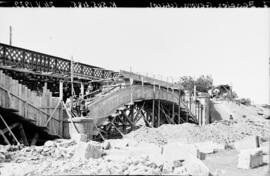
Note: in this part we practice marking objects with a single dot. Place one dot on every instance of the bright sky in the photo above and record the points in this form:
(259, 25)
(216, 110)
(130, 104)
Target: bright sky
(233, 45)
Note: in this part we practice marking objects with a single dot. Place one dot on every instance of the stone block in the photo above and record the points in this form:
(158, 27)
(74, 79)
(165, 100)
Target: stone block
(266, 159)
(177, 151)
(2, 157)
(106, 145)
(250, 158)
(88, 150)
(205, 147)
(201, 155)
(49, 144)
(194, 166)
(151, 150)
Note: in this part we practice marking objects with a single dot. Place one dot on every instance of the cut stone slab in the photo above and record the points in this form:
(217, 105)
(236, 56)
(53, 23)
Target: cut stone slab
(250, 158)
(147, 149)
(177, 151)
(88, 150)
(205, 147)
(194, 166)
(50, 144)
(106, 145)
(266, 159)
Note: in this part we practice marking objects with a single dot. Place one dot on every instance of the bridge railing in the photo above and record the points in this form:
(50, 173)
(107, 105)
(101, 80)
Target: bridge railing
(23, 58)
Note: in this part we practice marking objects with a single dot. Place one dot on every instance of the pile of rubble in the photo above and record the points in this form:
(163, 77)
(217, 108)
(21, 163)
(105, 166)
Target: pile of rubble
(58, 149)
(149, 135)
(144, 159)
(169, 149)
(69, 157)
(223, 132)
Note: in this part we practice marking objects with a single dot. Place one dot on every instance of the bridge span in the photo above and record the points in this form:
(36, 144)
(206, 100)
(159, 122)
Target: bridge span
(37, 86)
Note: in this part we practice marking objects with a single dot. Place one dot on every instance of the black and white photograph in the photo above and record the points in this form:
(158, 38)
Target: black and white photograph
(134, 91)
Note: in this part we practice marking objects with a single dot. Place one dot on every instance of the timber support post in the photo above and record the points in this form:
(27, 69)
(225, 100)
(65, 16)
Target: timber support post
(5, 138)
(82, 89)
(132, 117)
(153, 106)
(158, 120)
(179, 106)
(22, 132)
(61, 89)
(9, 129)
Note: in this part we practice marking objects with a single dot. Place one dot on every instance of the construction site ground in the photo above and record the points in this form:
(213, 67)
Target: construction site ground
(169, 149)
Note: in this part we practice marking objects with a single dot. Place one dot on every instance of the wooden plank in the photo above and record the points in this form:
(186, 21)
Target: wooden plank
(4, 85)
(9, 129)
(13, 91)
(17, 102)
(179, 106)
(20, 102)
(5, 138)
(37, 104)
(99, 132)
(61, 90)
(26, 105)
(52, 112)
(126, 116)
(23, 95)
(61, 118)
(139, 112)
(158, 120)
(166, 115)
(25, 142)
(42, 102)
(145, 119)
(8, 84)
(1, 91)
(153, 108)
(117, 129)
(31, 111)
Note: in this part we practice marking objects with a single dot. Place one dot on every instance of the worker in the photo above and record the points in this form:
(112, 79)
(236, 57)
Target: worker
(68, 104)
(216, 92)
(78, 104)
(83, 109)
(89, 90)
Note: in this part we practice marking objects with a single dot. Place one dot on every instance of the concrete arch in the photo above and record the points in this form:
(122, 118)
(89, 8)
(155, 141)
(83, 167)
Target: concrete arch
(107, 105)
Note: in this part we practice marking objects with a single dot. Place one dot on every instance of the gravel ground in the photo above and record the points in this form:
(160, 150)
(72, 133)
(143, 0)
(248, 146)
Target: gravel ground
(141, 152)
